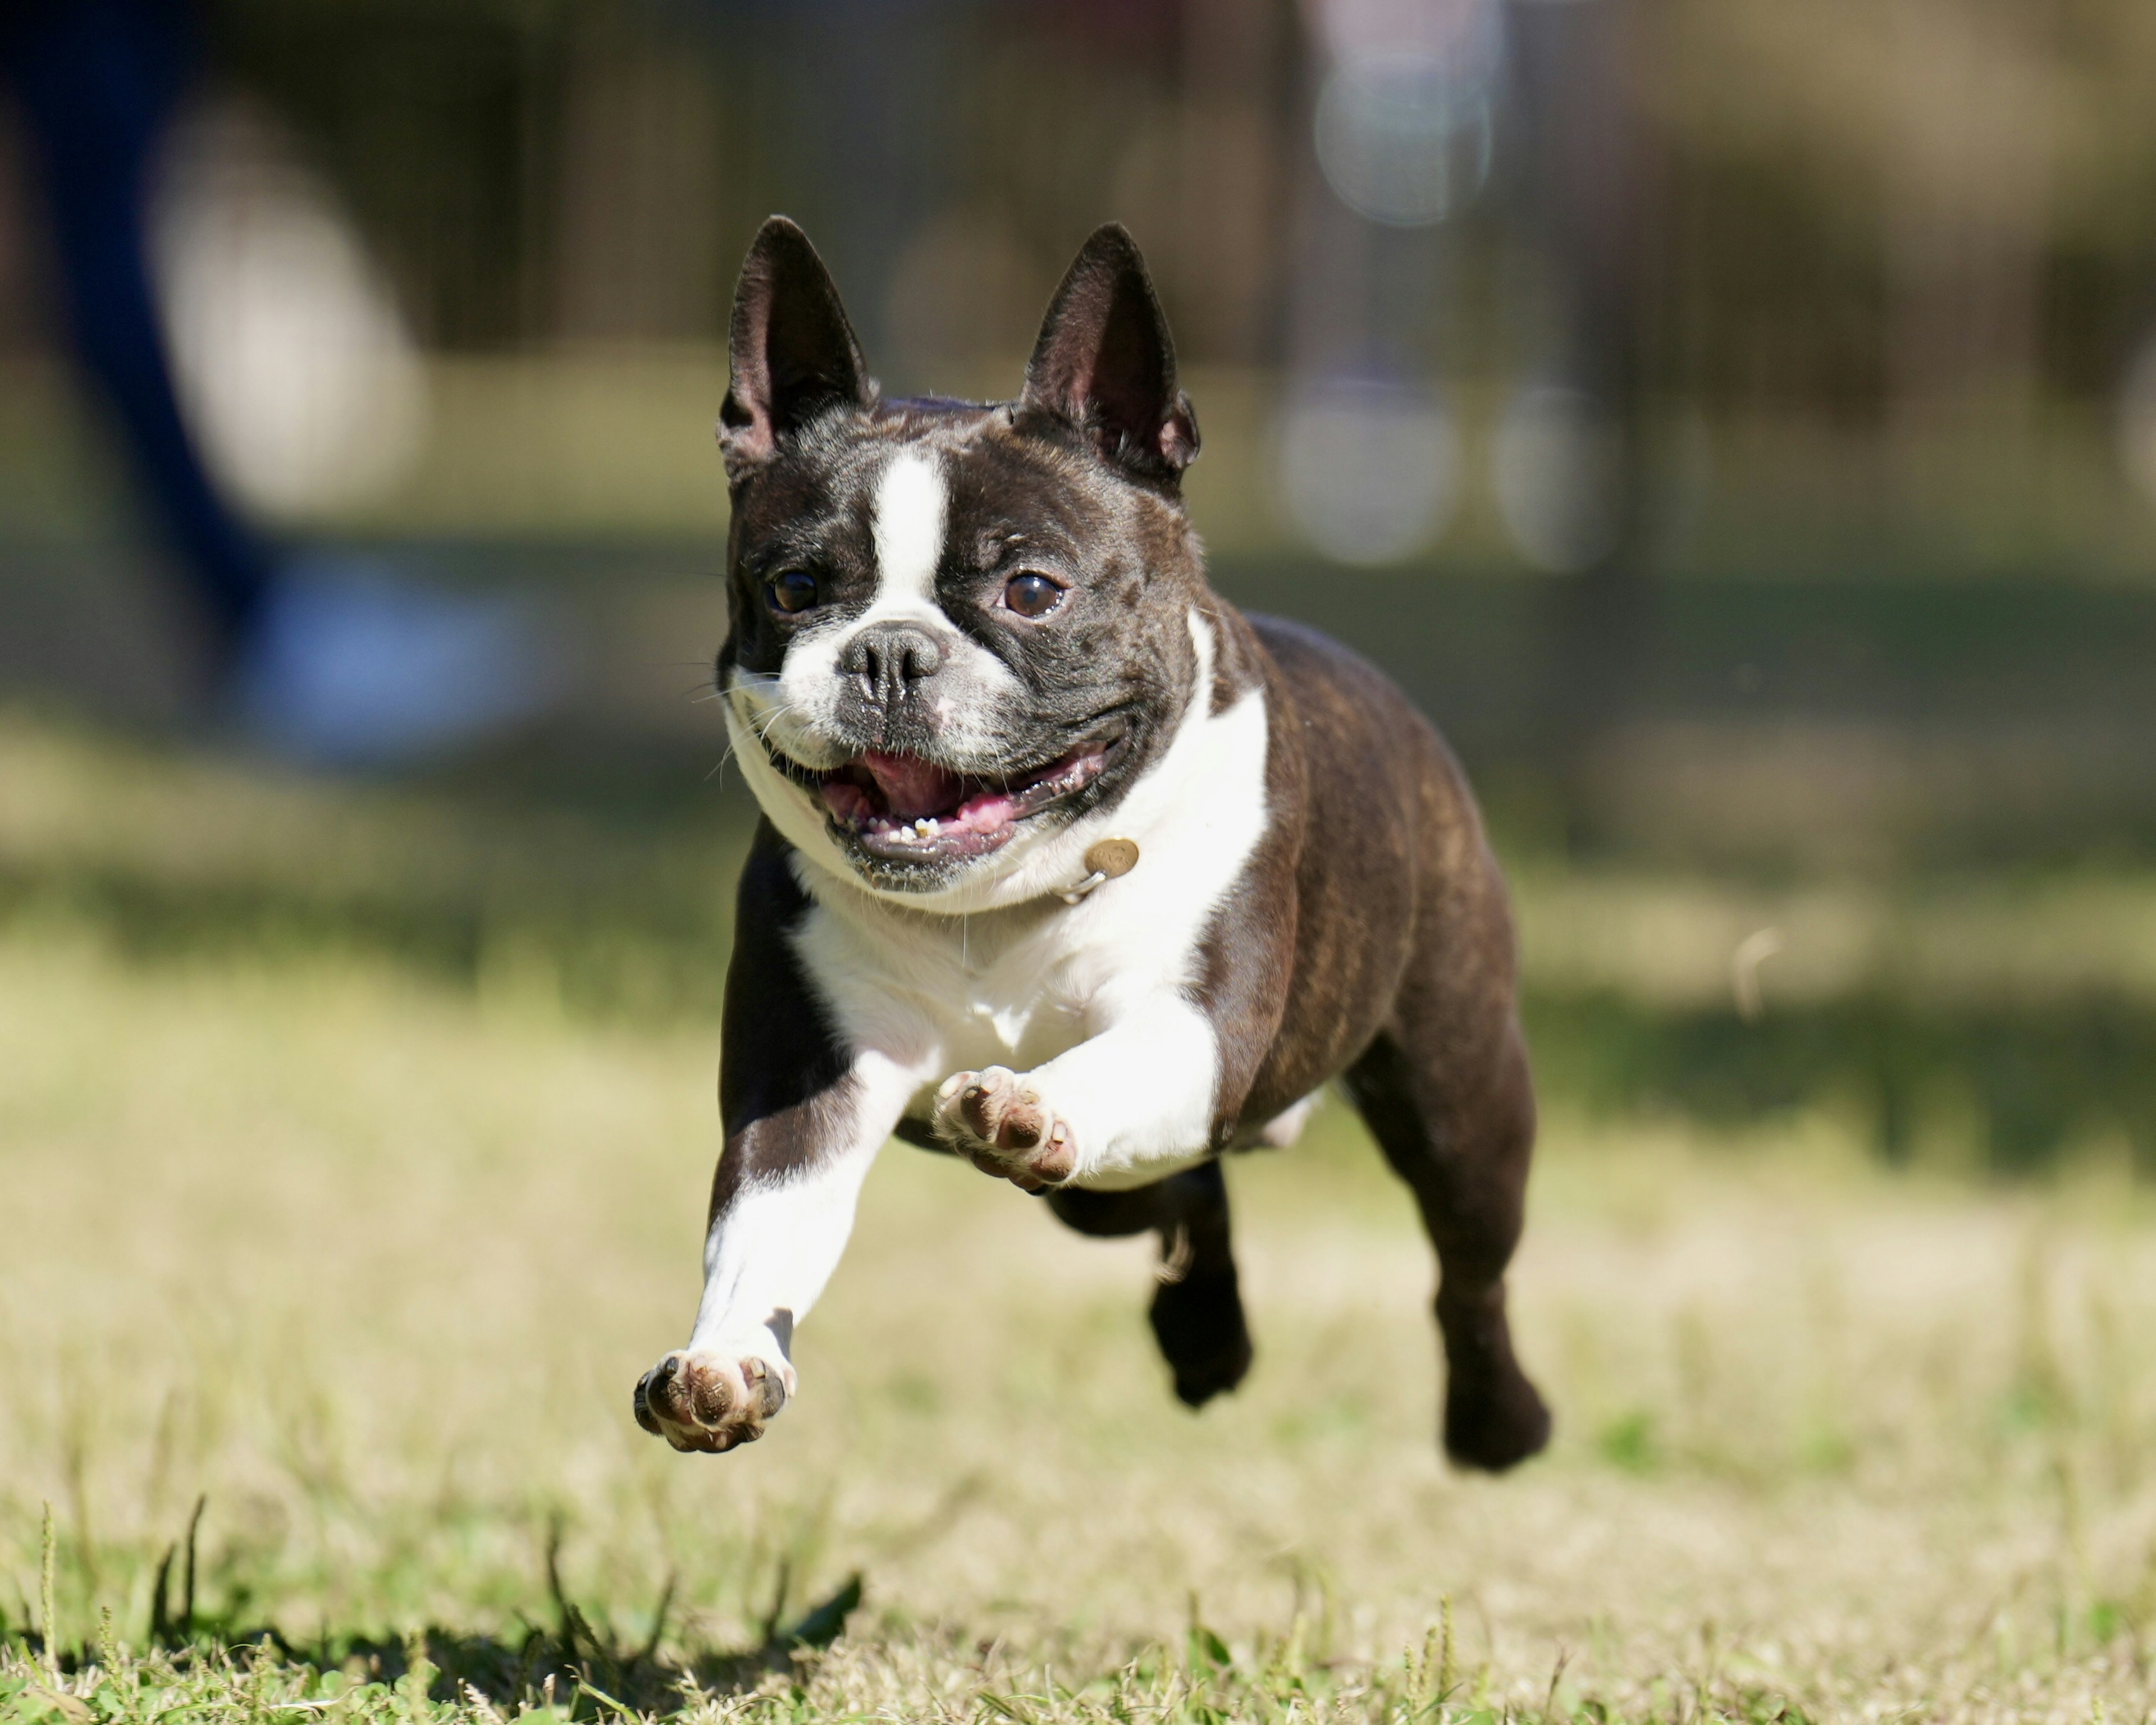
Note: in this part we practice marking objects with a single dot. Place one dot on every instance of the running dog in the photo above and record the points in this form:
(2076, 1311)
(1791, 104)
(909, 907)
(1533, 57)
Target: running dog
(1066, 864)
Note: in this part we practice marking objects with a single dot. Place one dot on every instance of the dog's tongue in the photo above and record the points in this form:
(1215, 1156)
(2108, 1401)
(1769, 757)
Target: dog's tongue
(911, 785)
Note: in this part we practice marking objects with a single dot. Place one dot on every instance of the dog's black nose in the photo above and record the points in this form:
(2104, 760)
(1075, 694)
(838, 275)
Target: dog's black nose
(889, 658)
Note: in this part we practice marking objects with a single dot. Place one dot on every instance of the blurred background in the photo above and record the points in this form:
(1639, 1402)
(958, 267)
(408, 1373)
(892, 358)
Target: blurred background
(1735, 425)
(1734, 422)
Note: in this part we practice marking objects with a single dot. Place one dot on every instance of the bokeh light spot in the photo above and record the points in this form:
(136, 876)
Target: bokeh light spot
(1370, 471)
(1557, 468)
(1402, 139)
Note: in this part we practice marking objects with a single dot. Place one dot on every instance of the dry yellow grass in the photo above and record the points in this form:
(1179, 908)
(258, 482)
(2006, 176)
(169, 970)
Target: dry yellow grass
(318, 1206)
(372, 1264)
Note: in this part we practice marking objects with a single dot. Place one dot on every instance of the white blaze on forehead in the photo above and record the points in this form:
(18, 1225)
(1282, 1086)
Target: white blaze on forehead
(799, 712)
(910, 501)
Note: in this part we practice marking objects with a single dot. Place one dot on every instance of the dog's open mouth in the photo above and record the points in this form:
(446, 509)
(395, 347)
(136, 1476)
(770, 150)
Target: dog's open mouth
(901, 807)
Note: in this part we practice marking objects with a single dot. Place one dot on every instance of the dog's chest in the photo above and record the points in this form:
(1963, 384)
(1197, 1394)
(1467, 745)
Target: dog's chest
(1022, 1006)
(938, 993)
(945, 993)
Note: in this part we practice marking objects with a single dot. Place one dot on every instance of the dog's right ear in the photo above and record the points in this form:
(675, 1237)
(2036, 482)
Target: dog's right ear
(794, 355)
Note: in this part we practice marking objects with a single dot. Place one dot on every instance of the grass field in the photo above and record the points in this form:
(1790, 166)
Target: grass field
(354, 1145)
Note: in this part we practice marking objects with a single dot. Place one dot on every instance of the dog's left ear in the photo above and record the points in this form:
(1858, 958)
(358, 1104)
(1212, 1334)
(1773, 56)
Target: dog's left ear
(1106, 363)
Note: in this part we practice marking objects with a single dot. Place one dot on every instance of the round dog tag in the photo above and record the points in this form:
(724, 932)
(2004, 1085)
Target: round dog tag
(1112, 857)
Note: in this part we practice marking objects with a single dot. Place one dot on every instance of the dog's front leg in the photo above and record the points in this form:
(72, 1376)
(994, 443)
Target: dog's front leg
(781, 1206)
(1128, 1104)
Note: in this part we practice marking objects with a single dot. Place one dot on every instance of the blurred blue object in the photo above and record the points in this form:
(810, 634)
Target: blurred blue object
(328, 664)
(348, 666)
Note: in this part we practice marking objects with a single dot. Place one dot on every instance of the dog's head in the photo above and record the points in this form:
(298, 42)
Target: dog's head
(959, 631)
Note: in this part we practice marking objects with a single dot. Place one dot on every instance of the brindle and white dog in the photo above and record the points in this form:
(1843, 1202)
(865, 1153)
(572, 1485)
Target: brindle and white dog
(1066, 864)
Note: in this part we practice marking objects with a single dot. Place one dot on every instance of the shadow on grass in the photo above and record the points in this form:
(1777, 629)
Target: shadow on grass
(2008, 1083)
(2001, 1085)
(622, 953)
(574, 1666)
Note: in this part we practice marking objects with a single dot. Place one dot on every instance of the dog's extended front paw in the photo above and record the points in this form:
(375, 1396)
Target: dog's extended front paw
(999, 1119)
(698, 1400)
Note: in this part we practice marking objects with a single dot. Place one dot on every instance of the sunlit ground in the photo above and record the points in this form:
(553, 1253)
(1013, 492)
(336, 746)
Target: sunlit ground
(355, 1218)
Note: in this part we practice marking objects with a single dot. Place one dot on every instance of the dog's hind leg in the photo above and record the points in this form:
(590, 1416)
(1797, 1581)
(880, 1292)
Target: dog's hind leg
(1450, 1105)
(1198, 1309)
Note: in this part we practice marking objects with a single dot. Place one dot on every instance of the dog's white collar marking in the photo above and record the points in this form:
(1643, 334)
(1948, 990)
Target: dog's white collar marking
(1097, 1005)
(1033, 866)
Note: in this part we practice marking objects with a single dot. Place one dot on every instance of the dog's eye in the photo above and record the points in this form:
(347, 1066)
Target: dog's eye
(1032, 595)
(792, 590)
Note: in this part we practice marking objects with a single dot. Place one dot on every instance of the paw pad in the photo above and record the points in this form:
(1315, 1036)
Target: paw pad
(999, 1120)
(708, 1401)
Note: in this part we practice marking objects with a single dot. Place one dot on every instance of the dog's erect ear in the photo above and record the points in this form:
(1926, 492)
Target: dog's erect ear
(1105, 362)
(793, 353)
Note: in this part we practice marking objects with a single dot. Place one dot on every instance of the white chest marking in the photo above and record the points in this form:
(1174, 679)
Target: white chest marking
(936, 994)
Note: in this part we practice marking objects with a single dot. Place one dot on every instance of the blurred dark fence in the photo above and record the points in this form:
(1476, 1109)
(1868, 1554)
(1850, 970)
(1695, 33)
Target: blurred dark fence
(1851, 205)
(1736, 421)
(1914, 216)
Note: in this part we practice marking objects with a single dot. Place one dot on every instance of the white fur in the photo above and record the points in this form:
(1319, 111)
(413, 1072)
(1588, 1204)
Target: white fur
(770, 1253)
(911, 500)
(794, 710)
(1091, 999)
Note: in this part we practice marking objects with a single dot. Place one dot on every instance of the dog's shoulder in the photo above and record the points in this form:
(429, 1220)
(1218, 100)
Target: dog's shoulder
(1361, 740)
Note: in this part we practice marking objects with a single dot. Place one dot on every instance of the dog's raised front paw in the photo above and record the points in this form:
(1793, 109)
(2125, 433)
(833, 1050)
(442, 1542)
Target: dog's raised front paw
(998, 1118)
(698, 1400)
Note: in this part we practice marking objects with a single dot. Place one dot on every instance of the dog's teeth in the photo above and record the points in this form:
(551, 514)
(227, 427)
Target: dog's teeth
(924, 826)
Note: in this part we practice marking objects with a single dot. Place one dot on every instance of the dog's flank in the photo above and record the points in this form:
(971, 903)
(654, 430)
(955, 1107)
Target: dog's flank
(970, 643)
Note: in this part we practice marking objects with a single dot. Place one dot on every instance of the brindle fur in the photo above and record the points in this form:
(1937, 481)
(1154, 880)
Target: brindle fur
(1368, 939)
